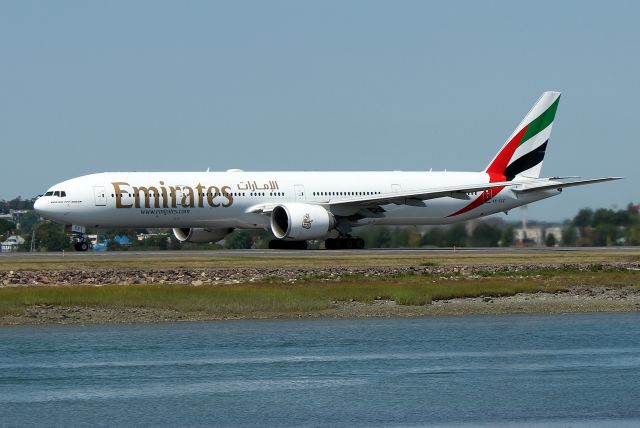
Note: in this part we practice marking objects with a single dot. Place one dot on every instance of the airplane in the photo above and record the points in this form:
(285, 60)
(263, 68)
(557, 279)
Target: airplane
(307, 205)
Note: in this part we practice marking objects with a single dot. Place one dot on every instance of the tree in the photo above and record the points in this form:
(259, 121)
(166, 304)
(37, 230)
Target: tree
(400, 237)
(175, 244)
(51, 237)
(633, 235)
(506, 240)
(28, 220)
(451, 236)
(583, 218)
(457, 236)
(16, 204)
(380, 237)
(485, 235)
(550, 240)
(239, 239)
(163, 243)
(569, 236)
(6, 226)
(604, 235)
(432, 236)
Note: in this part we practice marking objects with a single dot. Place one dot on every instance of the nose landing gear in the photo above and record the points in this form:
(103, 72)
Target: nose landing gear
(81, 245)
(78, 237)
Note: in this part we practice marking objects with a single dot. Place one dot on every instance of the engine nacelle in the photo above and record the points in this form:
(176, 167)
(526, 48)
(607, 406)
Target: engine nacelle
(200, 235)
(297, 221)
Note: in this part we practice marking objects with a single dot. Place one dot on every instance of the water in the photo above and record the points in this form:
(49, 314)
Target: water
(577, 370)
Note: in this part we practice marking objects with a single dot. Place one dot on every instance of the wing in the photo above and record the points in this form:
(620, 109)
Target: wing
(416, 197)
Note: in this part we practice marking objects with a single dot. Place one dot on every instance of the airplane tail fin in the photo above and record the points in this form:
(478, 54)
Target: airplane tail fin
(523, 153)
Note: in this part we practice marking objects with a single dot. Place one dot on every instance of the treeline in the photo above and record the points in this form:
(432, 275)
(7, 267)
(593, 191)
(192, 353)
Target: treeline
(604, 227)
(16, 204)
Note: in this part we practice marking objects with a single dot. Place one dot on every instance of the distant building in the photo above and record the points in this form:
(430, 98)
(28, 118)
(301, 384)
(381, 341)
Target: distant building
(536, 235)
(556, 231)
(12, 243)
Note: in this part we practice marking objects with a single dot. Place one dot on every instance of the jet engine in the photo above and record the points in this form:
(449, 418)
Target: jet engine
(200, 235)
(299, 221)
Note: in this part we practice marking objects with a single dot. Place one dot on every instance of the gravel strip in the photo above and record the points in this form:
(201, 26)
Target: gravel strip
(242, 275)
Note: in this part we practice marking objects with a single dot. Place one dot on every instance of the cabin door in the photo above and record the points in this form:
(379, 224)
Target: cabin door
(99, 196)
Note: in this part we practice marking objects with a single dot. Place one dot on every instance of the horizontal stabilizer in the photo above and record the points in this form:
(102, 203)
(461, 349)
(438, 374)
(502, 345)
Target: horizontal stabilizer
(545, 185)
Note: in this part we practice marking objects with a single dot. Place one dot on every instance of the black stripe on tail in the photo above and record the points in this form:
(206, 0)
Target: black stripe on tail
(526, 162)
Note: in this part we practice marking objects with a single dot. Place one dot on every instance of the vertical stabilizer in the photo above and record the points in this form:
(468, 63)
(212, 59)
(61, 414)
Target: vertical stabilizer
(523, 153)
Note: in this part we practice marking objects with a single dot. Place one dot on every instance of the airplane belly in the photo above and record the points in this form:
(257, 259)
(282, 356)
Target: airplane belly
(171, 217)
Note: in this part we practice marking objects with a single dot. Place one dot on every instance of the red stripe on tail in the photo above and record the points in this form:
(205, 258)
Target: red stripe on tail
(496, 173)
(500, 163)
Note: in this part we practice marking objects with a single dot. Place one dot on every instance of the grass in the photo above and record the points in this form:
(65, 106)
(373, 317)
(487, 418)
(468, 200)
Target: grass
(215, 259)
(277, 296)
(213, 299)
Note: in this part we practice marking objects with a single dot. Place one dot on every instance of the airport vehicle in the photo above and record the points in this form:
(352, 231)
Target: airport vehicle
(301, 206)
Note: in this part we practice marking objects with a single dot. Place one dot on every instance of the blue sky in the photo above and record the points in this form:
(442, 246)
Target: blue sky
(362, 85)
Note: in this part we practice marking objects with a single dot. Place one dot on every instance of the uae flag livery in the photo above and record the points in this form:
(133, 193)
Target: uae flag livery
(523, 152)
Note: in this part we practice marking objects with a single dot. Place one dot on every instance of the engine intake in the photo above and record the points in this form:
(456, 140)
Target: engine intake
(200, 235)
(299, 221)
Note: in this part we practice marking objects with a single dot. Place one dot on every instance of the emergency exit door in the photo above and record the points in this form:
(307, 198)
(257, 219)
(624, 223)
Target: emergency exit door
(299, 191)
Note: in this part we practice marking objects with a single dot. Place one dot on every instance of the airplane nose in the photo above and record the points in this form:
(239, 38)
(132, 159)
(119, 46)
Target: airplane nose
(38, 206)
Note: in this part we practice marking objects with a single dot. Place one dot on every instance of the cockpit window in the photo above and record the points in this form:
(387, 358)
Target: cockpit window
(63, 193)
(48, 193)
(56, 193)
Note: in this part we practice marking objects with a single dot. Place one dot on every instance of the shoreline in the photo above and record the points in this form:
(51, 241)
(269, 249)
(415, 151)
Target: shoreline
(578, 299)
(174, 289)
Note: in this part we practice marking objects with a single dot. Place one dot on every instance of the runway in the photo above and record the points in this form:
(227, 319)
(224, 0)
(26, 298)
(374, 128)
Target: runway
(264, 253)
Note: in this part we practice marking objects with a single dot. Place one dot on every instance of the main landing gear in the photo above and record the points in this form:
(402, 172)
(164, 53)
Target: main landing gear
(277, 244)
(340, 243)
(344, 243)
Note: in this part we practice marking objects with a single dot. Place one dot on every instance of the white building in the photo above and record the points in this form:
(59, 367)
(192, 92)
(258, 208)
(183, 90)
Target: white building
(556, 231)
(12, 243)
(537, 235)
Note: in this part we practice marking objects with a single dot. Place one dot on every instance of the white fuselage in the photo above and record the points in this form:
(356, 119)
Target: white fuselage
(229, 199)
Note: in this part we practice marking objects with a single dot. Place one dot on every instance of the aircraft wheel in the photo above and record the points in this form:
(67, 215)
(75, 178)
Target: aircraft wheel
(359, 243)
(330, 244)
(80, 246)
(274, 244)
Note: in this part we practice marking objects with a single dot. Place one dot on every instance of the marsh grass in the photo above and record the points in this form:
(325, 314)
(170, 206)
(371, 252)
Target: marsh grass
(261, 297)
(276, 295)
(220, 300)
